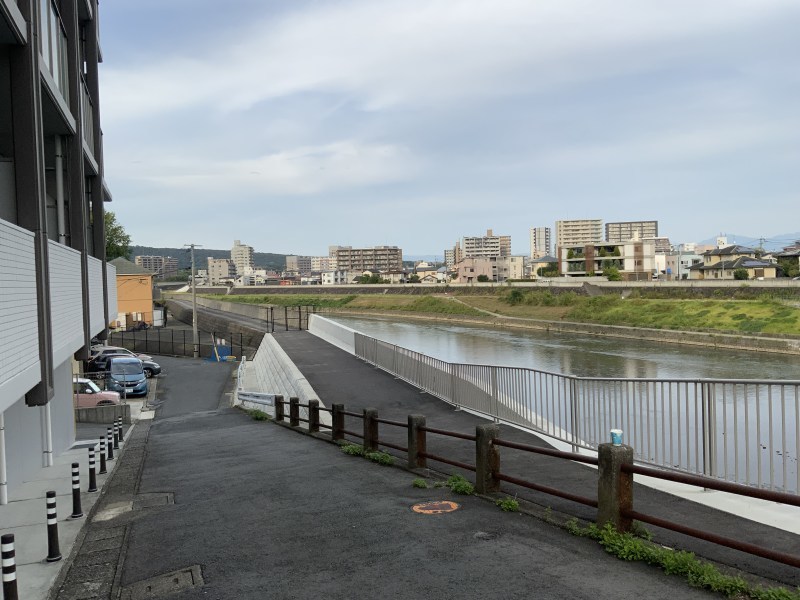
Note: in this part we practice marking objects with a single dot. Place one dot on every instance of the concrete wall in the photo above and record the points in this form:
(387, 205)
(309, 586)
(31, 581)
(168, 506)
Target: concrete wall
(333, 333)
(62, 416)
(103, 414)
(23, 441)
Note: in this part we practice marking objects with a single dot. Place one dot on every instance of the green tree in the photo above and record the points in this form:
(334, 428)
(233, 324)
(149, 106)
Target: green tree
(612, 274)
(740, 274)
(483, 278)
(790, 266)
(117, 241)
(414, 278)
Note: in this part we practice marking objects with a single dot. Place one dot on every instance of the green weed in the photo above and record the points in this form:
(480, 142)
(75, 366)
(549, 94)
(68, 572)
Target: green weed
(258, 415)
(508, 504)
(420, 483)
(382, 458)
(353, 449)
(459, 485)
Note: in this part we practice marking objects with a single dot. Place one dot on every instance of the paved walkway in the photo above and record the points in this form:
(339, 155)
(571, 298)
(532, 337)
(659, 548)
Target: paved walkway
(338, 377)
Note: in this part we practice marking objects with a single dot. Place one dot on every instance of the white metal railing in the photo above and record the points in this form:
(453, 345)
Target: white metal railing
(744, 431)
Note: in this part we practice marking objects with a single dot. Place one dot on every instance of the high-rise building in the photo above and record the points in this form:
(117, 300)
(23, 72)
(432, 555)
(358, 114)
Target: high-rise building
(540, 242)
(56, 290)
(379, 258)
(487, 246)
(298, 264)
(629, 230)
(242, 257)
(580, 231)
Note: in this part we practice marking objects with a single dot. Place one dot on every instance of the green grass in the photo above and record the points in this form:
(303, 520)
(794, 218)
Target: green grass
(258, 415)
(382, 458)
(508, 504)
(459, 485)
(353, 449)
(697, 573)
(320, 301)
(420, 483)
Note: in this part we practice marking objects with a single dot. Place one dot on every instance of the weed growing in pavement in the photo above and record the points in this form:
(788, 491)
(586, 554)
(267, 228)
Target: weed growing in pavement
(697, 573)
(382, 458)
(353, 449)
(459, 485)
(508, 504)
(420, 483)
(258, 415)
(439, 484)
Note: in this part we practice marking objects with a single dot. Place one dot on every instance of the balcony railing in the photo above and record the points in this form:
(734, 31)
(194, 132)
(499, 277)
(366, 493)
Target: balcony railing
(87, 112)
(53, 46)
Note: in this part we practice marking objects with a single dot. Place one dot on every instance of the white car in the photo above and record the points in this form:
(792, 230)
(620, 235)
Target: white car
(102, 350)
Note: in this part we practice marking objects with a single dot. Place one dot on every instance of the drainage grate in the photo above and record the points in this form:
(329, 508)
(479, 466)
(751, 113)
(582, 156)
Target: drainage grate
(143, 501)
(164, 585)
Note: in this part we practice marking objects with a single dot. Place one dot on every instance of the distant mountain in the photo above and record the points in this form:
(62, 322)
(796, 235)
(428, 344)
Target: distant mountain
(265, 260)
(772, 243)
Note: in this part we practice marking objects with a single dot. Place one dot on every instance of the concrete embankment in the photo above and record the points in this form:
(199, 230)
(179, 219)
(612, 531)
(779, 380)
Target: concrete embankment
(755, 343)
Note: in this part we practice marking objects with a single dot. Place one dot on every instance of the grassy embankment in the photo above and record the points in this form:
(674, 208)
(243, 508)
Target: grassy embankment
(762, 315)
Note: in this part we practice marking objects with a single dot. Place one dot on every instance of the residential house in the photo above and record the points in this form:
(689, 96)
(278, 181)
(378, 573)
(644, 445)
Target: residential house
(635, 259)
(134, 293)
(722, 263)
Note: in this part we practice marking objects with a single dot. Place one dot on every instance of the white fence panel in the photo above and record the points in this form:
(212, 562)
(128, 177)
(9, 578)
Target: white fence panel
(19, 325)
(97, 312)
(111, 280)
(66, 300)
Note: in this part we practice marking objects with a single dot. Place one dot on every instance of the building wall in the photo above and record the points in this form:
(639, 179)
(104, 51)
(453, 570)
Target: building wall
(627, 230)
(489, 245)
(241, 257)
(379, 258)
(541, 243)
(469, 269)
(135, 295)
(578, 232)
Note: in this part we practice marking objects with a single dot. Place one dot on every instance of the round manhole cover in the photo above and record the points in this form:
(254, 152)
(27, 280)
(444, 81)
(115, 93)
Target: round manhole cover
(437, 507)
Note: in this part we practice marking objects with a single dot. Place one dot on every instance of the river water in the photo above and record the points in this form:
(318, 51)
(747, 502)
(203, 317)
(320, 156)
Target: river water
(571, 354)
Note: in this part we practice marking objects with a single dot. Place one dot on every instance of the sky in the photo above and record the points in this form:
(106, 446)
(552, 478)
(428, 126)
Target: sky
(293, 125)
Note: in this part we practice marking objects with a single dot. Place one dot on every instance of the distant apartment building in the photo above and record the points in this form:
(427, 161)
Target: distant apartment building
(298, 264)
(635, 260)
(379, 258)
(242, 257)
(469, 270)
(509, 267)
(220, 270)
(628, 230)
(578, 232)
(662, 244)
(487, 246)
(160, 266)
(540, 242)
(323, 263)
(450, 257)
(336, 277)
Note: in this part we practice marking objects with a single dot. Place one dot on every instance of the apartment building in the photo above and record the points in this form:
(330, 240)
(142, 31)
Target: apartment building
(220, 270)
(323, 263)
(486, 246)
(298, 264)
(379, 258)
(56, 290)
(577, 232)
(242, 257)
(635, 260)
(509, 267)
(628, 230)
(160, 266)
(540, 242)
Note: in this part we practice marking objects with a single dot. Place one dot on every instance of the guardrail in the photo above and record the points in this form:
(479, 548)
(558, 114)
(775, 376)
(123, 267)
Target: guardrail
(745, 431)
(613, 497)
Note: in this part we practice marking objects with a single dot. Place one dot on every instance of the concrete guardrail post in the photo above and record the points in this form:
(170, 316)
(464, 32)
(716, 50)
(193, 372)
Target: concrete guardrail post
(337, 422)
(294, 412)
(614, 487)
(370, 429)
(313, 416)
(417, 442)
(279, 408)
(487, 459)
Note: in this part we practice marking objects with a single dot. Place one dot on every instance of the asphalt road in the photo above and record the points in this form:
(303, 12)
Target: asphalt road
(264, 512)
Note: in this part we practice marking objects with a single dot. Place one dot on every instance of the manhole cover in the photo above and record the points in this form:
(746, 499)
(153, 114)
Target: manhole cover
(436, 507)
(164, 585)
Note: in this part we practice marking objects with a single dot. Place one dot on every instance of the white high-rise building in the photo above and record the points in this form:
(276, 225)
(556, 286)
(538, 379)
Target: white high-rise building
(488, 246)
(579, 231)
(242, 257)
(540, 242)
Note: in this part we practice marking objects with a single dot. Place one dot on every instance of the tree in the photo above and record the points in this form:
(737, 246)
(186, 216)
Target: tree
(790, 266)
(740, 274)
(117, 241)
(414, 278)
(483, 278)
(612, 274)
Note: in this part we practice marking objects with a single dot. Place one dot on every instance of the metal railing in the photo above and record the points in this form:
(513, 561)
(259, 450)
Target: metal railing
(178, 342)
(745, 431)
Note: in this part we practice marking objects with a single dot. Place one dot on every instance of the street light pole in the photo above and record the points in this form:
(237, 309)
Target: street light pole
(195, 337)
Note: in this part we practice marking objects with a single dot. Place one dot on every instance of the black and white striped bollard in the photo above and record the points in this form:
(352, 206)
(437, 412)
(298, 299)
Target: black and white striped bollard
(92, 475)
(9, 567)
(53, 552)
(77, 513)
(121, 434)
(110, 444)
(116, 435)
(103, 470)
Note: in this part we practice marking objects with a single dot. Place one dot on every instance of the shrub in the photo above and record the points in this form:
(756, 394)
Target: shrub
(508, 504)
(459, 485)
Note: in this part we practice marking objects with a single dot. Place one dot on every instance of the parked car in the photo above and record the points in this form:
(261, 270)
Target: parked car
(126, 375)
(99, 364)
(88, 395)
(99, 350)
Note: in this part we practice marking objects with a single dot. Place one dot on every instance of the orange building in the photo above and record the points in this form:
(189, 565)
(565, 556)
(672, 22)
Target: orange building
(134, 294)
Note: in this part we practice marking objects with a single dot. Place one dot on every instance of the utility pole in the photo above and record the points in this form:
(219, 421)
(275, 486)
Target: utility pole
(195, 337)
